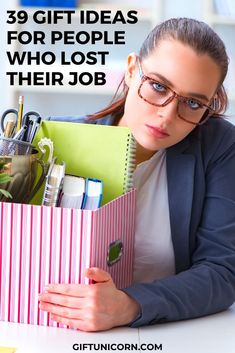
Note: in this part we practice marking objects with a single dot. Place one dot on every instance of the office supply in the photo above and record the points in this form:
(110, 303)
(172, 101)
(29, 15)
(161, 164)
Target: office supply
(34, 125)
(9, 128)
(27, 136)
(54, 183)
(20, 133)
(10, 147)
(73, 192)
(41, 245)
(102, 152)
(20, 113)
(4, 119)
(8, 349)
(93, 194)
(30, 119)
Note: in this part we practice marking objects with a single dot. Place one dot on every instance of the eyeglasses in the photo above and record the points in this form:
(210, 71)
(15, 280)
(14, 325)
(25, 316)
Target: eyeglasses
(188, 109)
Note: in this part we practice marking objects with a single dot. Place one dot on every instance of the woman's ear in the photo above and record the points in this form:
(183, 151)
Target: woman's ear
(131, 68)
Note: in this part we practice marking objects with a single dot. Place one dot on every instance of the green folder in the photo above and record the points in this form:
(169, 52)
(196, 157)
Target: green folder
(93, 151)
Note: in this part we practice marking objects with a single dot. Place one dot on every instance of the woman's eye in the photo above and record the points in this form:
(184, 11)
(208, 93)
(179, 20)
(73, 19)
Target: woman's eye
(157, 86)
(193, 104)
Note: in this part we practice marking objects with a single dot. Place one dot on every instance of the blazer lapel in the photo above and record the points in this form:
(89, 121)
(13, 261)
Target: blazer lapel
(180, 177)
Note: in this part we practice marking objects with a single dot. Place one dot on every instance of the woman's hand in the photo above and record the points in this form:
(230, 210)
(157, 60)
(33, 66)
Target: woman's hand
(94, 307)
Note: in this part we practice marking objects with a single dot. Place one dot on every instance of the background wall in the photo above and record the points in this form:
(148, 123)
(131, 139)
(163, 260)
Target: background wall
(5, 96)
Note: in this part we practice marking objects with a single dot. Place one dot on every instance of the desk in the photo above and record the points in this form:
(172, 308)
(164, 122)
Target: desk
(211, 334)
(41, 339)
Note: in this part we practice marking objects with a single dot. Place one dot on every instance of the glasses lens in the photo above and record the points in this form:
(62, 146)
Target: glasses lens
(155, 92)
(192, 110)
(158, 94)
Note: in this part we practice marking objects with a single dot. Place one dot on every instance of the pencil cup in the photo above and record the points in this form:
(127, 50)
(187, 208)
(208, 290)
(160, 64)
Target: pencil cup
(23, 170)
(9, 147)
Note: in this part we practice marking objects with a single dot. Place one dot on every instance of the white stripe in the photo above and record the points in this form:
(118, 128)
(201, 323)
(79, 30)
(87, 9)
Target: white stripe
(5, 262)
(15, 262)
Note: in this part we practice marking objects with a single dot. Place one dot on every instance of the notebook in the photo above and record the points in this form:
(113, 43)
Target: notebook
(94, 151)
(54, 183)
(93, 195)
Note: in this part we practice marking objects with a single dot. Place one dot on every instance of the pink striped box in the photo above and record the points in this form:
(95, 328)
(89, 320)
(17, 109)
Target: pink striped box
(41, 245)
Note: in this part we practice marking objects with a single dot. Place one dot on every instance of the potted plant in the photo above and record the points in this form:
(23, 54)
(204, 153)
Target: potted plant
(4, 178)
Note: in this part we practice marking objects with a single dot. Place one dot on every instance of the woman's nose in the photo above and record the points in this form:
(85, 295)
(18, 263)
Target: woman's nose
(168, 112)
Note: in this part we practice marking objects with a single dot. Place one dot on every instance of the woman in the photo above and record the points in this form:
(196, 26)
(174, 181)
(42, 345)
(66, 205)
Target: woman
(184, 264)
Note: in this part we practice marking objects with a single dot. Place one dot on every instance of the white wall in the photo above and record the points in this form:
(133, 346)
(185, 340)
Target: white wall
(5, 97)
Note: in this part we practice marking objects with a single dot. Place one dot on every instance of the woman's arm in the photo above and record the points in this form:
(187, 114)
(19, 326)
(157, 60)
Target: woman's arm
(208, 286)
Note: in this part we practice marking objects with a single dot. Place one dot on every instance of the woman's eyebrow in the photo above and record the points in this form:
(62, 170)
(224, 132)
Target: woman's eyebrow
(190, 94)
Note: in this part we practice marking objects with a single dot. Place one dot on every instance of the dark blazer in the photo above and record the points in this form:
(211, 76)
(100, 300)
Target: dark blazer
(201, 189)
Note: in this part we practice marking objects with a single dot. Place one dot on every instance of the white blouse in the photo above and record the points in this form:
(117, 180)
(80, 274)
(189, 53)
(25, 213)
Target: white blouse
(154, 254)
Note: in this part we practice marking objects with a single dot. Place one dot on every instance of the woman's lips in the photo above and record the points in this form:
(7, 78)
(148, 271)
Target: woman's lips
(157, 132)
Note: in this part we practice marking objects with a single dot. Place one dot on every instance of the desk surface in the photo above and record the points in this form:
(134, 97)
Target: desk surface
(211, 334)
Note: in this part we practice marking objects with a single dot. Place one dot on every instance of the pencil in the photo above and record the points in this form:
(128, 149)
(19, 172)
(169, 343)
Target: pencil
(20, 112)
(10, 125)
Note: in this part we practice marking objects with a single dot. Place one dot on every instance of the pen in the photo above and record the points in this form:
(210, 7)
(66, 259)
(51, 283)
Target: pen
(20, 112)
(20, 133)
(34, 128)
(28, 132)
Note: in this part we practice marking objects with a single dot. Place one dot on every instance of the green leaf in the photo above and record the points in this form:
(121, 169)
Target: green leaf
(4, 178)
(5, 193)
(2, 164)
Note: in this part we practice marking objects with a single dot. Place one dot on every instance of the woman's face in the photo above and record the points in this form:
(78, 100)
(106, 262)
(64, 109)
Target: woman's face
(181, 69)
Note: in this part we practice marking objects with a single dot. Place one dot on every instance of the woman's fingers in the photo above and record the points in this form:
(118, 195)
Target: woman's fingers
(63, 300)
(79, 290)
(84, 319)
(60, 310)
(71, 323)
(79, 324)
(97, 275)
(73, 290)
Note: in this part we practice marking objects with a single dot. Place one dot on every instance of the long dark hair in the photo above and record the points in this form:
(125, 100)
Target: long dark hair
(196, 34)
